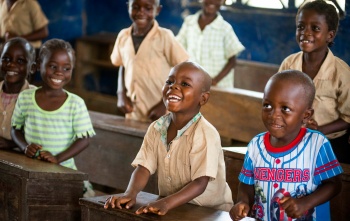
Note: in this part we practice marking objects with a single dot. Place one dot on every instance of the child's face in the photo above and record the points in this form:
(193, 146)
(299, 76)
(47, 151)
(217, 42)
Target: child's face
(284, 111)
(15, 63)
(56, 69)
(183, 90)
(143, 12)
(312, 32)
(211, 6)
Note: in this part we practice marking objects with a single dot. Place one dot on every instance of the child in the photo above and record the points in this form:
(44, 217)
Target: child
(49, 123)
(211, 42)
(17, 63)
(289, 171)
(145, 53)
(183, 147)
(23, 18)
(317, 24)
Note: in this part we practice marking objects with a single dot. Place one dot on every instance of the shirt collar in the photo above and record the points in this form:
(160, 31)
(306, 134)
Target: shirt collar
(162, 125)
(216, 24)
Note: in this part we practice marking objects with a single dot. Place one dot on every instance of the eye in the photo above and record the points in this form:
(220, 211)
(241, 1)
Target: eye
(316, 28)
(267, 106)
(66, 68)
(5, 59)
(21, 61)
(185, 84)
(300, 27)
(53, 67)
(286, 109)
(169, 82)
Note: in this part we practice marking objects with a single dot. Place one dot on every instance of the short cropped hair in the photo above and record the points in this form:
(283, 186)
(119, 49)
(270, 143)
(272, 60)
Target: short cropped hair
(298, 78)
(55, 44)
(323, 8)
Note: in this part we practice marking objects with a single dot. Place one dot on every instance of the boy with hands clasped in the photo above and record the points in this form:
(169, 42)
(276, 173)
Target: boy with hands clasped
(184, 149)
(289, 172)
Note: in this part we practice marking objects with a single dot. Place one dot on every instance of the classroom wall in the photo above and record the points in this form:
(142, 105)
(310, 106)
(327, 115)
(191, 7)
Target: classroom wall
(267, 36)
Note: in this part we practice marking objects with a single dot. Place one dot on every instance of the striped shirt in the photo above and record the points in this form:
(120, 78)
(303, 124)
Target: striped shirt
(295, 170)
(54, 130)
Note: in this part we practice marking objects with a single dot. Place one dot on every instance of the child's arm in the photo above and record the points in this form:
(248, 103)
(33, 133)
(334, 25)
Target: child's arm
(77, 146)
(157, 111)
(329, 188)
(29, 150)
(33, 36)
(124, 103)
(138, 181)
(186, 194)
(231, 63)
(7, 144)
(245, 199)
(337, 125)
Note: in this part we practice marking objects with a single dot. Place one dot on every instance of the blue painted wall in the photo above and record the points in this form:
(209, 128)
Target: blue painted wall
(268, 37)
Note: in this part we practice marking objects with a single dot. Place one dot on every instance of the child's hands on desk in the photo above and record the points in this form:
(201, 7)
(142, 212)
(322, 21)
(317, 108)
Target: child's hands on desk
(120, 202)
(158, 207)
(124, 103)
(47, 156)
(239, 211)
(32, 150)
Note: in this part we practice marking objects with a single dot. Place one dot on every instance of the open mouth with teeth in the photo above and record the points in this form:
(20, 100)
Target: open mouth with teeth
(11, 73)
(57, 81)
(173, 98)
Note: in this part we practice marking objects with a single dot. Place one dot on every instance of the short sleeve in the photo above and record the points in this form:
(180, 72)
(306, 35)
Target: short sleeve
(247, 172)
(116, 57)
(37, 15)
(81, 121)
(147, 155)
(233, 47)
(18, 116)
(181, 36)
(327, 165)
(175, 53)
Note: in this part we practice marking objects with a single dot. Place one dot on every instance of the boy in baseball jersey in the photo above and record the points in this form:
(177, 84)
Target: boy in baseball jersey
(289, 172)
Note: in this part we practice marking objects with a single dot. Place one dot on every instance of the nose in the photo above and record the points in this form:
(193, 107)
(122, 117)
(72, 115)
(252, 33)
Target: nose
(174, 86)
(275, 113)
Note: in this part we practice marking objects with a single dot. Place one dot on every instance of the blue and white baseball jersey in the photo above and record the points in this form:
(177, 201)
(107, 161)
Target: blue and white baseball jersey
(294, 170)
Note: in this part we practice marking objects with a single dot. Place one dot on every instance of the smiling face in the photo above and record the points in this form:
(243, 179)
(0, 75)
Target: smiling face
(285, 109)
(312, 32)
(211, 6)
(56, 68)
(186, 89)
(16, 63)
(143, 13)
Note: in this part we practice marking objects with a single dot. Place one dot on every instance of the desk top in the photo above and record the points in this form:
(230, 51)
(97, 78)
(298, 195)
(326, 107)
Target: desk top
(18, 163)
(118, 124)
(186, 212)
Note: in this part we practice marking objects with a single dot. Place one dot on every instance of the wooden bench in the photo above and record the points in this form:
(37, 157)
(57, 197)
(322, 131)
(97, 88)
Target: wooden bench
(108, 158)
(35, 190)
(235, 113)
(251, 75)
(92, 209)
(234, 157)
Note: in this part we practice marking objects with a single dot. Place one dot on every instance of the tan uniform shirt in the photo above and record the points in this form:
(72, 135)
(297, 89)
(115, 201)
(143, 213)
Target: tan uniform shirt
(24, 17)
(146, 71)
(196, 153)
(332, 82)
(6, 113)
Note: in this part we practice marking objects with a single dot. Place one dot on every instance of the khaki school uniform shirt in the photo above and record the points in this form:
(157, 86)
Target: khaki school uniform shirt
(6, 113)
(332, 82)
(194, 153)
(24, 17)
(147, 70)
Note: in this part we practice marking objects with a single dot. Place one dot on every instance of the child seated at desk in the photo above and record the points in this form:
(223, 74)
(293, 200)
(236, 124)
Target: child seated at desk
(183, 147)
(289, 172)
(17, 63)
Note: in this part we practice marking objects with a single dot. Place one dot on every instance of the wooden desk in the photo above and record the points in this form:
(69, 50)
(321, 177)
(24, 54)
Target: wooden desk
(92, 209)
(36, 190)
(112, 151)
(340, 209)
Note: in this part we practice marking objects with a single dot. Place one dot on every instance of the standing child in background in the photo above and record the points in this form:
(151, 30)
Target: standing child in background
(17, 62)
(211, 42)
(49, 123)
(23, 18)
(289, 171)
(145, 53)
(317, 25)
(184, 149)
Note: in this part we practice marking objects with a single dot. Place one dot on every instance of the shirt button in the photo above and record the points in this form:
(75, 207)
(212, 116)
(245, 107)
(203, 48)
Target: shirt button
(4, 113)
(3, 128)
(168, 156)
(169, 178)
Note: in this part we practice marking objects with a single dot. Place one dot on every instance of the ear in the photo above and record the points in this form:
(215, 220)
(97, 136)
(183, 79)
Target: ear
(331, 36)
(33, 68)
(204, 98)
(307, 115)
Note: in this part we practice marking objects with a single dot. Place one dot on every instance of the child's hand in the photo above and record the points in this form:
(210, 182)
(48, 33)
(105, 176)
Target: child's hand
(32, 150)
(47, 156)
(124, 103)
(158, 207)
(293, 207)
(239, 211)
(157, 111)
(118, 202)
